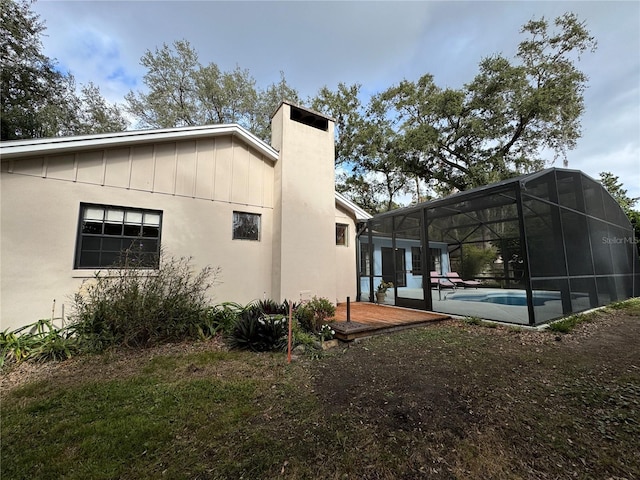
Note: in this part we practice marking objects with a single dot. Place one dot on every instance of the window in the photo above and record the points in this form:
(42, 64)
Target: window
(341, 234)
(435, 260)
(416, 260)
(105, 232)
(365, 259)
(246, 226)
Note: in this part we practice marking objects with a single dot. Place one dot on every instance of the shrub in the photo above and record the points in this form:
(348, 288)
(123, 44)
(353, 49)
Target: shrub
(40, 341)
(260, 326)
(135, 307)
(222, 317)
(253, 330)
(314, 313)
(475, 260)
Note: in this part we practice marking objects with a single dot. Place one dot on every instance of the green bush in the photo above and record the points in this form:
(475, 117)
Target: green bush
(256, 331)
(222, 317)
(475, 260)
(40, 341)
(135, 307)
(314, 313)
(261, 326)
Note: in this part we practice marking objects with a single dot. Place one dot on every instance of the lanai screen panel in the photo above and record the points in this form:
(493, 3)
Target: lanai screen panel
(483, 235)
(579, 245)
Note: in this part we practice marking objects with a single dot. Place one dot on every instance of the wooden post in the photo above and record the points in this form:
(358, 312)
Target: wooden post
(290, 329)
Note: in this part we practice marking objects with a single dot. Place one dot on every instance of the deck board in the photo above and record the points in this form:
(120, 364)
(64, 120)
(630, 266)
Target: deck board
(371, 319)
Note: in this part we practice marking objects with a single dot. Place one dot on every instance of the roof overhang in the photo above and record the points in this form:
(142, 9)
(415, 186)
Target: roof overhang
(347, 204)
(61, 145)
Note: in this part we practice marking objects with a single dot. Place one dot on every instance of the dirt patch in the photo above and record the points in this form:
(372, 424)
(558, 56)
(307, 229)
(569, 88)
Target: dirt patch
(465, 391)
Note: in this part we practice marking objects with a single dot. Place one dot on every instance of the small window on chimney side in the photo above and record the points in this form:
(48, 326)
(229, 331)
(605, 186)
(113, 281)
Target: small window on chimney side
(309, 118)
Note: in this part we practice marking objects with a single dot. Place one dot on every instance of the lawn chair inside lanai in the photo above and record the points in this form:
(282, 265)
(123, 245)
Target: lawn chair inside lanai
(454, 278)
(441, 283)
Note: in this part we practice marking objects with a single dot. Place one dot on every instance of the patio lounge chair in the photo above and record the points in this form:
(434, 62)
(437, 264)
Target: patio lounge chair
(459, 282)
(441, 283)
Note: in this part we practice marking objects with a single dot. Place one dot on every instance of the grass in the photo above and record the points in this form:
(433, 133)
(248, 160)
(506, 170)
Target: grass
(630, 307)
(447, 401)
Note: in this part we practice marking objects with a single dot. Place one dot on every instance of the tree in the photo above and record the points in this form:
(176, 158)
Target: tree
(499, 124)
(28, 75)
(183, 92)
(225, 97)
(95, 114)
(268, 101)
(171, 78)
(368, 149)
(36, 99)
(345, 108)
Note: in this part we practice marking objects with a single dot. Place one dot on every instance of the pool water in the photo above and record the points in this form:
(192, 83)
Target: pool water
(518, 298)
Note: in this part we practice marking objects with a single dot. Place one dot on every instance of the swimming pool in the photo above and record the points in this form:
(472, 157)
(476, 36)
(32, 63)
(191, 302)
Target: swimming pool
(508, 297)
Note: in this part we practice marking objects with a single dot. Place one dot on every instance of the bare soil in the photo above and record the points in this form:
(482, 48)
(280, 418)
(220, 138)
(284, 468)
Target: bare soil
(468, 401)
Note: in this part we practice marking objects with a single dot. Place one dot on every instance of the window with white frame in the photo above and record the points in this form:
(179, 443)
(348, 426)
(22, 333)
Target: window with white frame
(246, 226)
(106, 233)
(341, 234)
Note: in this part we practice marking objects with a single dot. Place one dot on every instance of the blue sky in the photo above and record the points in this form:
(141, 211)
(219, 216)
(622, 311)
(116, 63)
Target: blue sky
(376, 44)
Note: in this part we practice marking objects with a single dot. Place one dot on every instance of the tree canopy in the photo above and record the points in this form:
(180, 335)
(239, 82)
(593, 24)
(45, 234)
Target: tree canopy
(180, 91)
(36, 99)
(416, 137)
(499, 124)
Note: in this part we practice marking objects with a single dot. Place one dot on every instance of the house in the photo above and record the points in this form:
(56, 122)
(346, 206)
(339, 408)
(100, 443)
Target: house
(267, 215)
(535, 248)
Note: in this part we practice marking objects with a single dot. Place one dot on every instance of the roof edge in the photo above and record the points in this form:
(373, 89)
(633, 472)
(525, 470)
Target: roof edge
(360, 214)
(58, 145)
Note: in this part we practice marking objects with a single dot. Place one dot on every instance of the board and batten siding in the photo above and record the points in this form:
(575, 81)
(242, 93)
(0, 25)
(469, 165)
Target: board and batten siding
(218, 169)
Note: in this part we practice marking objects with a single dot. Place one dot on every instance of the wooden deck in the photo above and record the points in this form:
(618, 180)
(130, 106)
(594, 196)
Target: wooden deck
(371, 319)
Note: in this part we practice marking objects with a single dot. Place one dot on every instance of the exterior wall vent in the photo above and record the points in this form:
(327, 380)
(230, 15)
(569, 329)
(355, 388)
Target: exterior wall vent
(309, 118)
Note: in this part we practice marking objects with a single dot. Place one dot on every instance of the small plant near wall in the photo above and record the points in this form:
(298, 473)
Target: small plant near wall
(313, 314)
(381, 291)
(326, 333)
(40, 341)
(261, 326)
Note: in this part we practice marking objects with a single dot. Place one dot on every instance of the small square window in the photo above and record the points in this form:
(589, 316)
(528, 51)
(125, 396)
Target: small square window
(341, 234)
(246, 226)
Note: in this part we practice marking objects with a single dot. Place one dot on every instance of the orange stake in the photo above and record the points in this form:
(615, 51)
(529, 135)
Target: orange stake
(289, 345)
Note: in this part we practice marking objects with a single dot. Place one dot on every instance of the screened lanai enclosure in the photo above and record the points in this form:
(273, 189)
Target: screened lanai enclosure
(526, 251)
